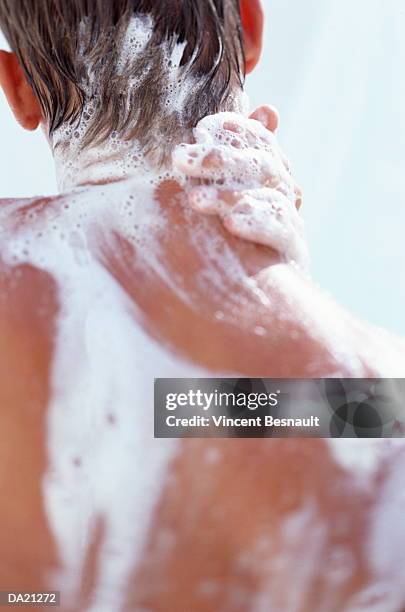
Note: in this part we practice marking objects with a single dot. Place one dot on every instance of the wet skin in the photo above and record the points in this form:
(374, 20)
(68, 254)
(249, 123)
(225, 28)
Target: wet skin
(219, 525)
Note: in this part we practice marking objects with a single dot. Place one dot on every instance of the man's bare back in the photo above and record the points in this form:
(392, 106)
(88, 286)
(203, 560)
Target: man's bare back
(149, 266)
(93, 307)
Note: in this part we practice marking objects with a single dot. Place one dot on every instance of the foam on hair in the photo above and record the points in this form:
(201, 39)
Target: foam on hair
(56, 43)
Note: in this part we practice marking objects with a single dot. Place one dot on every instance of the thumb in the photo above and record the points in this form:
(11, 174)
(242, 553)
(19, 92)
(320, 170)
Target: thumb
(268, 116)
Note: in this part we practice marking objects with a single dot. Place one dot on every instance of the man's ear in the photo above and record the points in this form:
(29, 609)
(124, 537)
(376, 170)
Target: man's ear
(253, 23)
(18, 92)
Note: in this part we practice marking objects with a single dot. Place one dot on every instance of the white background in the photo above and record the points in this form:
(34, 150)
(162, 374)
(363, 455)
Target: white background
(336, 71)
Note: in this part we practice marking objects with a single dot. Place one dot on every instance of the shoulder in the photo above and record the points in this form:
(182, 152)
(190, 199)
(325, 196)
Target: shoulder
(11, 207)
(28, 303)
(28, 306)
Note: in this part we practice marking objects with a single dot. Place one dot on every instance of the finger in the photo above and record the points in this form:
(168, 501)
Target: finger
(241, 132)
(276, 195)
(213, 201)
(236, 130)
(254, 221)
(261, 216)
(267, 116)
(251, 168)
(216, 200)
(272, 206)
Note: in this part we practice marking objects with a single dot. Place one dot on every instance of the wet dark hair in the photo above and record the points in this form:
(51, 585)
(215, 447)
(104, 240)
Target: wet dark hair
(56, 41)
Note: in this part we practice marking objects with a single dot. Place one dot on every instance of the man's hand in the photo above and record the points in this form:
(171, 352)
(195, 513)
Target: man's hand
(245, 179)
